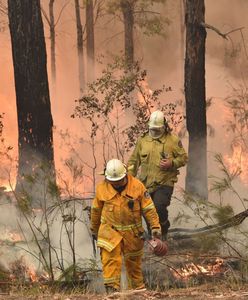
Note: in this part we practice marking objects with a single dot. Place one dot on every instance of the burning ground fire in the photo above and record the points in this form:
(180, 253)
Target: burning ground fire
(191, 269)
(21, 270)
(11, 235)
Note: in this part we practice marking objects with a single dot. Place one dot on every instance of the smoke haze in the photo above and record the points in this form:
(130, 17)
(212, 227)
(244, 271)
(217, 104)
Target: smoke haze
(226, 66)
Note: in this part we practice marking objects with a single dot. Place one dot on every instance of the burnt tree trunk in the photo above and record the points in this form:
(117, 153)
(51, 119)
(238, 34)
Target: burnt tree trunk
(80, 47)
(35, 124)
(90, 41)
(127, 7)
(196, 178)
(52, 38)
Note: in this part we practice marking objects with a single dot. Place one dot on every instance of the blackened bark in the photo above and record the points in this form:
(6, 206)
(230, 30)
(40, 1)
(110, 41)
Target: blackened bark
(52, 38)
(196, 179)
(80, 47)
(90, 43)
(35, 124)
(127, 7)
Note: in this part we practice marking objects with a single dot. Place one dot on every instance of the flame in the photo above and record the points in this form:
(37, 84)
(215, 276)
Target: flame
(192, 269)
(21, 270)
(32, 275)
(15, 236)
(6, 188)
(238, 162)
(145, 92)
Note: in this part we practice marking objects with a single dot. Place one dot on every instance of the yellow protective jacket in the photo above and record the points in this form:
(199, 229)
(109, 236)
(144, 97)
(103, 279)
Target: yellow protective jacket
(147, 155)
(112, 219)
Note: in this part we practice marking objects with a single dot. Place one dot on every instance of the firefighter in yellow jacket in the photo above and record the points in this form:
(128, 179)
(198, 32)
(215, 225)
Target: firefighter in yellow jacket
(116, 221)
(158, 154)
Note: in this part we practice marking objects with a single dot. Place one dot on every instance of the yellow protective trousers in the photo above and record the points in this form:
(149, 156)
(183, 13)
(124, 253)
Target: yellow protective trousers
(112, 264)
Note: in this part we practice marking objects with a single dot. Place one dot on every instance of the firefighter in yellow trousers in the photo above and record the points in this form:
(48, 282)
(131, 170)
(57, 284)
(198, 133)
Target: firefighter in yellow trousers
(116, 212)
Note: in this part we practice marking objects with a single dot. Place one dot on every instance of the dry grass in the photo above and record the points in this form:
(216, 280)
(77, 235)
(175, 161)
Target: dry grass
(208, 291)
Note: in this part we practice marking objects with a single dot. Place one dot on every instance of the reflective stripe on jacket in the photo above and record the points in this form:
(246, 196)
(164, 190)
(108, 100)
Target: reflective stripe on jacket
(112, 218)
(147, 155)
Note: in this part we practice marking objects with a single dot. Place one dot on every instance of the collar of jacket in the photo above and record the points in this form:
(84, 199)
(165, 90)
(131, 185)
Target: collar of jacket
(108, 192)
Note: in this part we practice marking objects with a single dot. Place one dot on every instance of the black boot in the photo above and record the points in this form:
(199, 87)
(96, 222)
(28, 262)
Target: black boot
(110, 289)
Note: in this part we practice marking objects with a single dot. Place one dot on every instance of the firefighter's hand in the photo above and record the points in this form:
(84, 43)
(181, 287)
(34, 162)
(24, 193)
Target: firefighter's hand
(165, 164)
(156, 233)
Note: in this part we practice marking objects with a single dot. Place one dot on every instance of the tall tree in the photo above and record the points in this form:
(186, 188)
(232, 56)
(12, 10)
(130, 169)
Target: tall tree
(127, 7)
(80, 49)
(52, 38)
(52, 23)
(196, 179)
(35, 124)
(90, 40)
(142, 13)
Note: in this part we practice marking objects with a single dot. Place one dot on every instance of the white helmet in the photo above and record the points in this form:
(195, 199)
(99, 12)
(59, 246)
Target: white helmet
(115, 170)
(157, 119)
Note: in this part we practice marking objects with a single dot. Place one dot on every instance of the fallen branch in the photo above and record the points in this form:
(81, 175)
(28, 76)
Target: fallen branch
(184, 233)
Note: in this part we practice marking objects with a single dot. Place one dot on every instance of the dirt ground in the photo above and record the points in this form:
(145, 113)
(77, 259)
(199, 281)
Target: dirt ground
(196, 293)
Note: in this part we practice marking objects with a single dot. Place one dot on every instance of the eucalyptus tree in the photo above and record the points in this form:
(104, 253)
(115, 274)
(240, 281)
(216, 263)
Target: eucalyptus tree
(52, 22)
(35, 123)
(142, 14)
(90, 40)
(195, 94)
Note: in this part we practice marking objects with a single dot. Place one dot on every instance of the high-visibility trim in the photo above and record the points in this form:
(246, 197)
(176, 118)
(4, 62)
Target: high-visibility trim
(112, 279)
(103, 220)
(95, 207)
(121, 227)
(134, 254)
(102, 243)
(148, 207)
(127, 227)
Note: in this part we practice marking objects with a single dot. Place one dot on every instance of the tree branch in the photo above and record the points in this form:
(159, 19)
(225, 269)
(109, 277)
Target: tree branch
(60, 13)
(184, 233)
(214, 29)
(224, 35)
(45, 15)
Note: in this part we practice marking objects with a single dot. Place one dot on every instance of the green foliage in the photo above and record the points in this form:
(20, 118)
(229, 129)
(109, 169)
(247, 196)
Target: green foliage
(224, 183)
(24, 202)
(209, 243)
(114, 95)
(151, 22)
(53, 189)
(238, 105)
(223, 213)
(30, 178)
(146, 15)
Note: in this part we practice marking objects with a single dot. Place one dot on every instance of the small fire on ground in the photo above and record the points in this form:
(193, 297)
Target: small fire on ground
(193, 269)
(20, 270)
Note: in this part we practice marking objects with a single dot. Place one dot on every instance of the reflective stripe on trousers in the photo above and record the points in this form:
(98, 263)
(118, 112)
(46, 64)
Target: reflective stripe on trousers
(112, 262)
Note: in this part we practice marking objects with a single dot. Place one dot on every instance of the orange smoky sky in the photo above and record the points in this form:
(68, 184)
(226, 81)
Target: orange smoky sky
(161, 56)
